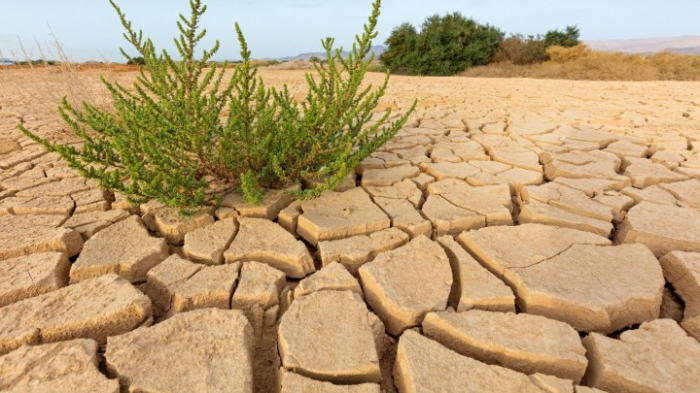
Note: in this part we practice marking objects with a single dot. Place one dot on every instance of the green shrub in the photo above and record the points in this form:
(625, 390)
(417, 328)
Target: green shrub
(567, 38)
(168, 138)
(444, 46)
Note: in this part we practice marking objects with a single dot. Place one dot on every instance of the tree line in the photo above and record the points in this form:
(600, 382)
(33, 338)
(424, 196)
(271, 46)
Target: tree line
(447, 45)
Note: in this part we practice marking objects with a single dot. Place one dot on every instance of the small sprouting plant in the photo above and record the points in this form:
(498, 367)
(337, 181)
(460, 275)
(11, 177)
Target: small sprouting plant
(186, 130)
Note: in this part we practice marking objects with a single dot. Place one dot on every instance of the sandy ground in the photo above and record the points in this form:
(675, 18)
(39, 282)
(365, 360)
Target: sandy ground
(665, 107)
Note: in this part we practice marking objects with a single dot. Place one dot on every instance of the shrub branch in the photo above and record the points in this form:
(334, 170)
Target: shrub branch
(184, 127)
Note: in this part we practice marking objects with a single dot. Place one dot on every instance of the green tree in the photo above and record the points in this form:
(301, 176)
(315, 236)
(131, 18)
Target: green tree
(401, 49)
(185, 134)
(567, 38)
(444, 46)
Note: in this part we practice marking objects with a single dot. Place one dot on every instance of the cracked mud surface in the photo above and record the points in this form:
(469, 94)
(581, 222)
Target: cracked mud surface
(516, 235)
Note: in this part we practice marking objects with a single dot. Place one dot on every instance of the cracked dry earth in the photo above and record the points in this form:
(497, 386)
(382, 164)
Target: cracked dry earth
(516, 236)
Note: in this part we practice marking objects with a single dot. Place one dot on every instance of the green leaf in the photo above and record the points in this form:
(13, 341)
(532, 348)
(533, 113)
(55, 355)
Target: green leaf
(187, 125)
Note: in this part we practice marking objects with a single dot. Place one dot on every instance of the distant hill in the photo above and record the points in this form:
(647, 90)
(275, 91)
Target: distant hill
(684, 44)
(377, 49)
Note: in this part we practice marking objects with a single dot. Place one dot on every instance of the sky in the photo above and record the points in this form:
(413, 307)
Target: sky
(90, 29)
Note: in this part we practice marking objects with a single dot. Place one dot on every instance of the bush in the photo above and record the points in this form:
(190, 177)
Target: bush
(401, 49)
(580, 63)
(444, 46)
(168, 139)
(567, 38)
(560, 54)
(136, 61)
(518, 49)
(675, 66)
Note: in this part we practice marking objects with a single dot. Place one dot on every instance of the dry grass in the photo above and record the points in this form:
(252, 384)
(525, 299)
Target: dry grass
(46, 79)
(581, 63)
(67, 75)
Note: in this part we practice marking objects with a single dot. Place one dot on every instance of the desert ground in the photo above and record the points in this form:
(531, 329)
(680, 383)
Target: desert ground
(516, 236)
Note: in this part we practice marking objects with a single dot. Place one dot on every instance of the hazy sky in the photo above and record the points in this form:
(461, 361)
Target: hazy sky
(89, 29)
